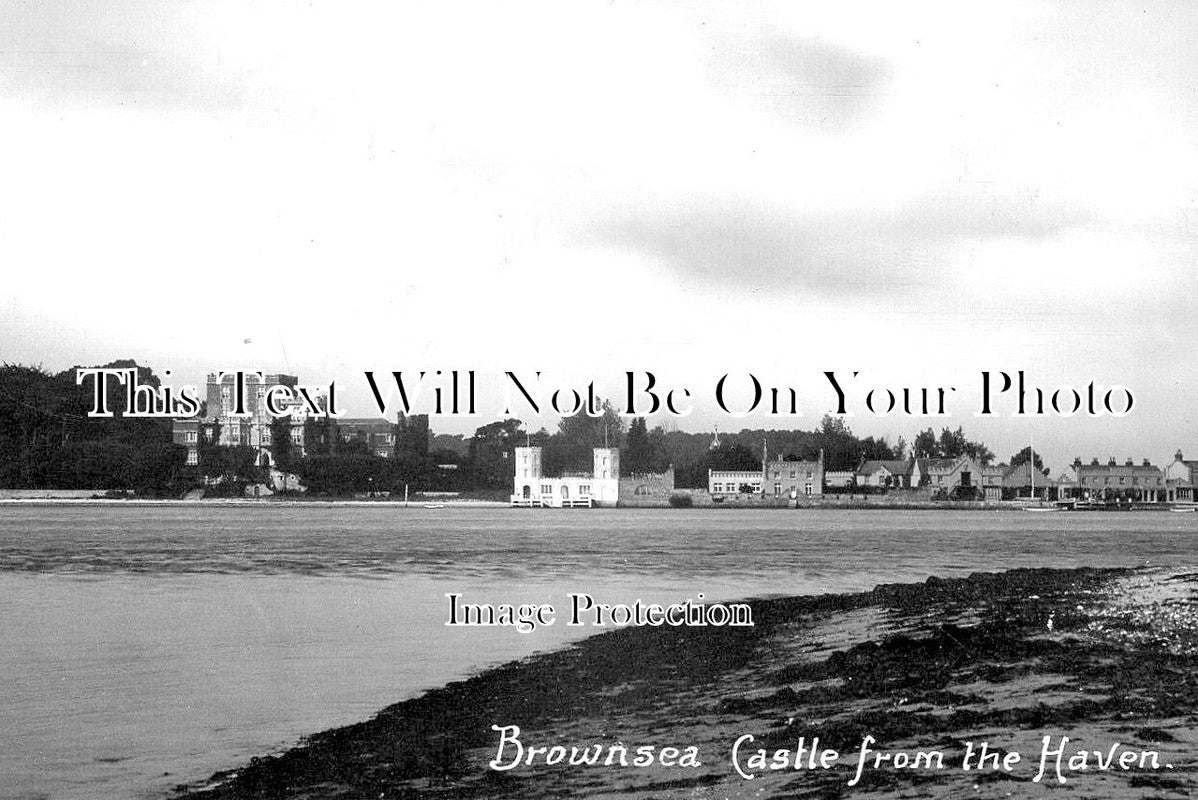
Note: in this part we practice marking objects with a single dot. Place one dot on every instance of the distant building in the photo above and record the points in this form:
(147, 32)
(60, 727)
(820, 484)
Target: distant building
(375, 433)
(1180, 479)
(532, 488)
(186, 432)
(993, 481)
(725, 482)
(951, 474)
(898, 474)
(1026, 481)
(219, 425)
(794, 479)
(1142, 483)
(840, 479)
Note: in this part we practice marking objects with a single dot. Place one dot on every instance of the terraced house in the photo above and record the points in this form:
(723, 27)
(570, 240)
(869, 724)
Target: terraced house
(1140, 483)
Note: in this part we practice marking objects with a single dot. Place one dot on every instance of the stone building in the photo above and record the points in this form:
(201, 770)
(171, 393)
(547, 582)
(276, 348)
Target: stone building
(793, 479)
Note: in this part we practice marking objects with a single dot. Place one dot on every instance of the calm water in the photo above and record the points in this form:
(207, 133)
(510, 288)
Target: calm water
(144, 646)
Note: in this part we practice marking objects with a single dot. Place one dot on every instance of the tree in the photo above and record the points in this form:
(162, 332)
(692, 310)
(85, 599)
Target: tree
(950, 444)
(926, 445)
(643, 451)
(490, 454)
(280, 442)
(732, 457)
(48, 441)
(1022, 457)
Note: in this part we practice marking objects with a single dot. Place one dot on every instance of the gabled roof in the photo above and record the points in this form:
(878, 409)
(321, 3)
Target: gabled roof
(941, 464)
(1022, 476)
(893, 466)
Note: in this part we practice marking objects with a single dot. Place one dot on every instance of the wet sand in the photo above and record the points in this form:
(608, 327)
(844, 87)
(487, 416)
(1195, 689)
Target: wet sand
(1099, 656)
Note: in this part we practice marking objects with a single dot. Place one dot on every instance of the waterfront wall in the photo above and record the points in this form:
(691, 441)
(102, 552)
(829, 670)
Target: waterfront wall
(647, 490)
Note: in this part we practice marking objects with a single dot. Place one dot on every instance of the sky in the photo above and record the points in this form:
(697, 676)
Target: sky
(917, 192)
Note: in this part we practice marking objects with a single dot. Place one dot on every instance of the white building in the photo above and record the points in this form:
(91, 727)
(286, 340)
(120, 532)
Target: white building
(730, 481)
(530, 487)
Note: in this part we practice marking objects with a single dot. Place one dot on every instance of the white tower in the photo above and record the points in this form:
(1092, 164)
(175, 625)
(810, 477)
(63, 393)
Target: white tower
(605, 477)
(528, 472)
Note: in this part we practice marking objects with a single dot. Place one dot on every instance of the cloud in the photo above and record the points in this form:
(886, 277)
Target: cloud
(129, 52)
(871, 252)
(810, 81)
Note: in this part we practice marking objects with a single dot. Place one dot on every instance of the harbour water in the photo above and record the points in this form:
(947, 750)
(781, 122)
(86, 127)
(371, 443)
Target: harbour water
(146, 646)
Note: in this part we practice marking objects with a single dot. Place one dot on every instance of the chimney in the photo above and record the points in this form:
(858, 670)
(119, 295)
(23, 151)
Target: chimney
(1077, 461)
(1147, 463)
(1130, 463)
(1111, 462)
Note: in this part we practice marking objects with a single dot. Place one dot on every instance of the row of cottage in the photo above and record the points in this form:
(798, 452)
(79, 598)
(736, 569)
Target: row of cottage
(961, 478)
(966, 478)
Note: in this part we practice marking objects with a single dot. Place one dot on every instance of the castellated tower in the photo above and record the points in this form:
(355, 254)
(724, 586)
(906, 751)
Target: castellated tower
(605, 477)
(607, 463)
(528, 463)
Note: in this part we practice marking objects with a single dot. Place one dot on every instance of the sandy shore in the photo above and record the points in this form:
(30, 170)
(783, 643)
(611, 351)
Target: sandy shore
(1103, 657)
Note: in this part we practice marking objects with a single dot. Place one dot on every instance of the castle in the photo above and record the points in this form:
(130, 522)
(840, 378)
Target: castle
(601, 487)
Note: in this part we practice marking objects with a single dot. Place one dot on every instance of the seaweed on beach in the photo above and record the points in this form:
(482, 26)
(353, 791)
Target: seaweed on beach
(1006, 657)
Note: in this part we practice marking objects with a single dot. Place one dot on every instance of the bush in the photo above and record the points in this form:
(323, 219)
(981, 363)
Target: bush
(681, 501)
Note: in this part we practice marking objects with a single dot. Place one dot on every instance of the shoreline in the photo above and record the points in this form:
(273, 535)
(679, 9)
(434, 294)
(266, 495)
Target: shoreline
(1099, 655)
(453, 503)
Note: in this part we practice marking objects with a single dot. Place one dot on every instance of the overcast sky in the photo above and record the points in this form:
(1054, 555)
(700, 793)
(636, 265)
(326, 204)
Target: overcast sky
(917, 192)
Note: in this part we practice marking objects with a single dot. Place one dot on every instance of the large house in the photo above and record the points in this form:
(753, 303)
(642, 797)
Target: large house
(219, 425)
(1180, 478)
(793, 479)
(1142, 483)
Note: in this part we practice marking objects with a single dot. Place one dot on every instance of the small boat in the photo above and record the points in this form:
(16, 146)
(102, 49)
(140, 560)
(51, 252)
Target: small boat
(1183, 509)
(434, 505)
(1039, 509)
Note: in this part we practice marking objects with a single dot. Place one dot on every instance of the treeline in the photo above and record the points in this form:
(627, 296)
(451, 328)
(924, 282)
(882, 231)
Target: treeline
(48, 441)
(569, 449)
